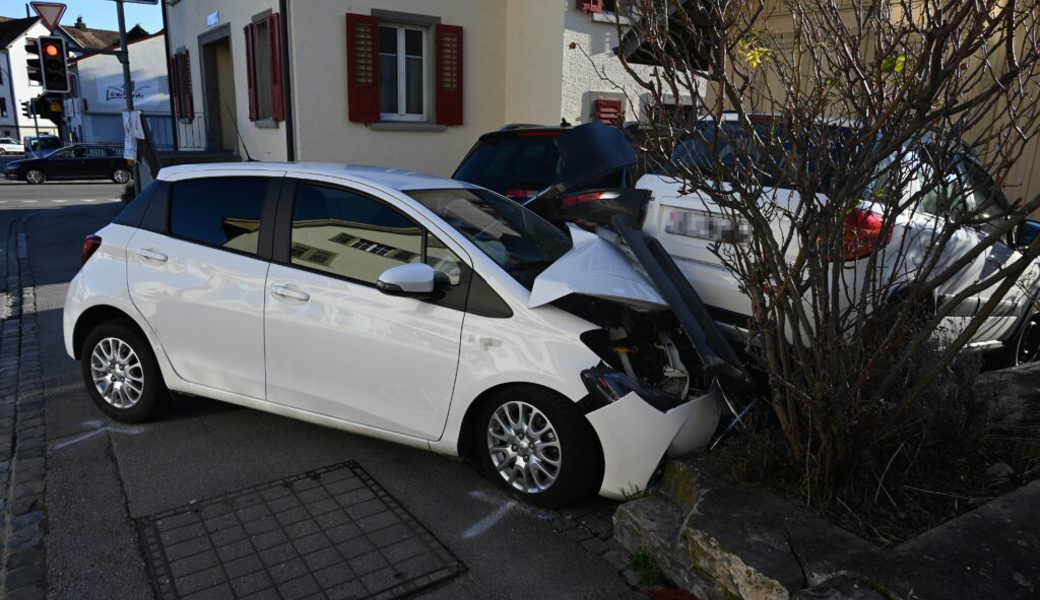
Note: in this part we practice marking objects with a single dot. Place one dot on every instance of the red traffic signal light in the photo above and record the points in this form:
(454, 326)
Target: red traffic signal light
(51, 50)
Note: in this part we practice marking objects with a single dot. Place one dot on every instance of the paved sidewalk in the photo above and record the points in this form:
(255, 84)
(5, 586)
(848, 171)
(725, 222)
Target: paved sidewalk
(23, 560)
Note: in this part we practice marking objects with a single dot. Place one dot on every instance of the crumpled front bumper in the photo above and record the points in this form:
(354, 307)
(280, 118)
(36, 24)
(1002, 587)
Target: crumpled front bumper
(635, 436)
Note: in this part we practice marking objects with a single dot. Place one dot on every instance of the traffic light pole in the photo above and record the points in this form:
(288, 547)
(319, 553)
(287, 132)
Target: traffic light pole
(128, 92)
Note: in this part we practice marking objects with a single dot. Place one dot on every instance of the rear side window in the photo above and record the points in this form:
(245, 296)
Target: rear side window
(223, 212)
(511, 165)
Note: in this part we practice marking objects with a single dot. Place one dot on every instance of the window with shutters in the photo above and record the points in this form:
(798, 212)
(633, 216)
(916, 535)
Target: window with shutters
(403, 71)
(264, 71)
(180, 86)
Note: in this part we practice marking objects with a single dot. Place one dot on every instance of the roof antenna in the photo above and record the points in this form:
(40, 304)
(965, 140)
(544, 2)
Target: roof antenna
(234, 123)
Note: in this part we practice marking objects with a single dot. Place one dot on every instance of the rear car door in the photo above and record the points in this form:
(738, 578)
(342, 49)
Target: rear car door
(97, 163)
(337, 346)
(199, 278)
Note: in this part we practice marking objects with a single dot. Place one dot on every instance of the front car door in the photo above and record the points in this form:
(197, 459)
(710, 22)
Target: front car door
(338, 347)
(199, 280)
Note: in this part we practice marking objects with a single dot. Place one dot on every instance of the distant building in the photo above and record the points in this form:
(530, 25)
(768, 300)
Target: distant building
(94, 108)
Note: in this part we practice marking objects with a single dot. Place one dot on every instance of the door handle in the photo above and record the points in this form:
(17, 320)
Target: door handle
(289, 292)
(153, 255)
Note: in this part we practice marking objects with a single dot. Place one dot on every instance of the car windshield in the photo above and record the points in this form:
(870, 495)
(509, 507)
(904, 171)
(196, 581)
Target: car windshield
(519, 241)
(712, 148)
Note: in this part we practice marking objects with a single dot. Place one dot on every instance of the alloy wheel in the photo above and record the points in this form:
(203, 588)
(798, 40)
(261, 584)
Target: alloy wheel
(117, 373)
(524, 448)
(121, 176)
(35, 176)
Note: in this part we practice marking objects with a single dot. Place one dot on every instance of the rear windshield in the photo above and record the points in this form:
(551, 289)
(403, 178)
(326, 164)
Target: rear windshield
(504, 164)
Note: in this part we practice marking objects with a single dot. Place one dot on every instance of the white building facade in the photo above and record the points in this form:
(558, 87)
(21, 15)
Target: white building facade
(15, 86)
(387, 82)
(94, 110)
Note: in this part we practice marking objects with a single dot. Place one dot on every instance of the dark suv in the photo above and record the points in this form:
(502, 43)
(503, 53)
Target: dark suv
(78, 161)
(555, 171)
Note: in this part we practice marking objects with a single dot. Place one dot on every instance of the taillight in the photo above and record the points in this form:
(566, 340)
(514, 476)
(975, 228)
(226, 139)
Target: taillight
(862, 232)
(90, 245)
(589, 197)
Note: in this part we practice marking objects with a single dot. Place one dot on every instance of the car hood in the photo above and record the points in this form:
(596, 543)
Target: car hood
(14, 164)
(599, 268)
(595, 267)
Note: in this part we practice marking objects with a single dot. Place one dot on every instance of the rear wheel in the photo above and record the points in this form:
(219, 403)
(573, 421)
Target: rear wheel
(35, 176)
(121, 175)
(121, 374)
(538, 445)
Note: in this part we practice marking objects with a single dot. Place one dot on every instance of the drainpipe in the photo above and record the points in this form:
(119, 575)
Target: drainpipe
(169, 89)
(290, 144)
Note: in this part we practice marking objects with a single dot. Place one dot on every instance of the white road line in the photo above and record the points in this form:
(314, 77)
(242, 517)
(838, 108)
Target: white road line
(59, 201)
(89, 200)
(29, 201)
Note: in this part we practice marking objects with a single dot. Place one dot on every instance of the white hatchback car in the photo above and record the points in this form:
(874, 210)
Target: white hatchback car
(407, 307)
(11, 146)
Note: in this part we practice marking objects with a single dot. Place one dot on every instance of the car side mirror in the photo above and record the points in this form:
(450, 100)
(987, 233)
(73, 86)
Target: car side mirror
(417, 280)
(1026, 233)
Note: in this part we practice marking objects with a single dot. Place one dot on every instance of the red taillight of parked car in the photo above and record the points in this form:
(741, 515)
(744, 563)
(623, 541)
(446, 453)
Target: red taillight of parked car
(588, 197)
(862, 233)
(90, 245)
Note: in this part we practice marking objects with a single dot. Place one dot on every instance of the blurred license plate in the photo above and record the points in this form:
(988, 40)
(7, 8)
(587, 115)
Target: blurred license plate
(715, 228)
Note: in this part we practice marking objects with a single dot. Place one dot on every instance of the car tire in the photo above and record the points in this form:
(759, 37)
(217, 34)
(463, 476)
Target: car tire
(122, 176)
(121, 374)
(35, 176)
(522, 431)
(1027, 342)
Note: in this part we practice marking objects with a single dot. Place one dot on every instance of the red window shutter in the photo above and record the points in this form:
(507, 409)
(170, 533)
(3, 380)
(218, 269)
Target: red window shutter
(590, 6)
(274, 41)
(609, 112)
(175, 85)
(189, 101)
(362, 68)
(250, 75)
(449, 74)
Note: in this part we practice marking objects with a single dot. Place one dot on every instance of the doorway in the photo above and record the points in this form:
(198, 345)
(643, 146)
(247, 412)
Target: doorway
(219, 90)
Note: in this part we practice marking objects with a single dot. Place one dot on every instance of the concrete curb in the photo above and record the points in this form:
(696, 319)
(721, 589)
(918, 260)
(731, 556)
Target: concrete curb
(23, 559)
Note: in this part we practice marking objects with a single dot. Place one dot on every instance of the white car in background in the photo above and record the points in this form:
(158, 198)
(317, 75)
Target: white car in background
(689, 224)
(11, 146)
(416, 309)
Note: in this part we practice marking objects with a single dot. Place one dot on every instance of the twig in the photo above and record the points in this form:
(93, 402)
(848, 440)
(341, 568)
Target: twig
(881, 480)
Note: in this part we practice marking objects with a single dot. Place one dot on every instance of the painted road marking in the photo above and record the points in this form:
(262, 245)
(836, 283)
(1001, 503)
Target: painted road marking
(29, 201)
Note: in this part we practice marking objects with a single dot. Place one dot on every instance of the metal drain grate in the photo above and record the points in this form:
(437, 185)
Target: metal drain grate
(328, 533)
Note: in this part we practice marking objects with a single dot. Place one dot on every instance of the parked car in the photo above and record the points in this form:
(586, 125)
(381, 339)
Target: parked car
(552, 169)
(78, 161)
(38, 146)
(689, 225)
(407, 307)
(10, 146)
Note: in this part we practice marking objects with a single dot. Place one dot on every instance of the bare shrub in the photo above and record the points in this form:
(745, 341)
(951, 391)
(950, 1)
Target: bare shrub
(873, 101)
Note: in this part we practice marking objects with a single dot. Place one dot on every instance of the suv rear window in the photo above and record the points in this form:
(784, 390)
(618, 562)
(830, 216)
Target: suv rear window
(505, 164)
(219, 211)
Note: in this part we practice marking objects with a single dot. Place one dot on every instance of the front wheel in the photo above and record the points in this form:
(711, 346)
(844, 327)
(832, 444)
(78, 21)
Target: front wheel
(121, 175)
(35, 176)
(1027, 342)
(121, 374)
(538, 445)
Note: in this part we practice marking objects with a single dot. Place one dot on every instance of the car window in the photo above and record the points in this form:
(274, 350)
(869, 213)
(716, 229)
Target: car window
(517, 239)
(67, 153)
(525, 162)
(345, 233)
(219, 211)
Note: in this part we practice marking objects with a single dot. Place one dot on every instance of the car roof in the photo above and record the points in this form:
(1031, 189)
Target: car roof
(522, 130)
(385, 177)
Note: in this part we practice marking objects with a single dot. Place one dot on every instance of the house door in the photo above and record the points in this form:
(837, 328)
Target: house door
(219, 95)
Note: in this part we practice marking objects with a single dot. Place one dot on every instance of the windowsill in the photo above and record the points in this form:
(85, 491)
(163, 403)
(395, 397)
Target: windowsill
(266, 124)
(406, 126)
(610, 18)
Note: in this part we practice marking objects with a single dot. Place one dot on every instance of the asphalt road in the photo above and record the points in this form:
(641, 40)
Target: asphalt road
(101, 475)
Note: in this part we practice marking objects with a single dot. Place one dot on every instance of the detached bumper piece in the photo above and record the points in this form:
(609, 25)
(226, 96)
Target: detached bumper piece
(638, 426)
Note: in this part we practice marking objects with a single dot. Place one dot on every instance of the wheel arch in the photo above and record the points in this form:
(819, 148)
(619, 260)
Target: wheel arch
(94, 316)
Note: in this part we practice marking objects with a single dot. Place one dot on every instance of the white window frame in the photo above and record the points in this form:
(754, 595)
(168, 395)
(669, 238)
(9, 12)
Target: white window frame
(402, 88)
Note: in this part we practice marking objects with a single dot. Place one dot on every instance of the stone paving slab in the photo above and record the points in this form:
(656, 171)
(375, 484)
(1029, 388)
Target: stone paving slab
(332, 533)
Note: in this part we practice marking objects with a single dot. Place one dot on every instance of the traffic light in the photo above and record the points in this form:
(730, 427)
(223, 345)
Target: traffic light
(28, 108)
(54, 64)
(33, 66)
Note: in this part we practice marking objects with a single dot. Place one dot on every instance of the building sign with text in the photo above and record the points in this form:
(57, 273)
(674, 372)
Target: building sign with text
(148, 93)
